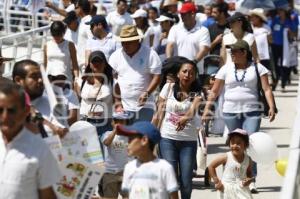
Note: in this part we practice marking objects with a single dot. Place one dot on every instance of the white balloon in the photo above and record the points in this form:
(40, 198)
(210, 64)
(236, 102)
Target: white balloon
(262, 148)
(80, 125)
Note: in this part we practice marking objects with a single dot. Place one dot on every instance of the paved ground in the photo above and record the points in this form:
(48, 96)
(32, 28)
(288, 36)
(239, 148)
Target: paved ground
(268, 181)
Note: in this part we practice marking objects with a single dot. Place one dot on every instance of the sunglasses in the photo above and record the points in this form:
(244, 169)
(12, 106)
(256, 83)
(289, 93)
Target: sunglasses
(10, 111)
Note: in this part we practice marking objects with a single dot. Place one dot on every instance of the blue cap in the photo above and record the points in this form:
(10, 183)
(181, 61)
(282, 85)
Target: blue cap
(143, 128)
(123, 115)
(98, 19)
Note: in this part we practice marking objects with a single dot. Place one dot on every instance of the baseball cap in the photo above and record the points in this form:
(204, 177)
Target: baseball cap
(239, 45)
(71, 16)
(235, 17)
(142, 127)
(239, 131)
(97, 54)
(188, 7)
(97, 19)
(165, 17)
(139, 13)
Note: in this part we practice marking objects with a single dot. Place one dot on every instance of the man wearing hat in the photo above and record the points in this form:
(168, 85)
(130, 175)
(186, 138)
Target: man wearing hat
(72, 31)
(190, 37)
(102, 39)
(137, 70)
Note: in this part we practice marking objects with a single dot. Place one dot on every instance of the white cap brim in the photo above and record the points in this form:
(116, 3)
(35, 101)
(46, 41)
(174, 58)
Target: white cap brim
(164, 18)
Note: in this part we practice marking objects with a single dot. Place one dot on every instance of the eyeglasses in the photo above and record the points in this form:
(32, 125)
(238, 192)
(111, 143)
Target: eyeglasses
(10, 111)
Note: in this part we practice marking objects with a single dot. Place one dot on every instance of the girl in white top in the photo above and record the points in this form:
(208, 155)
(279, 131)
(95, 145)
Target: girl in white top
(240, 29)
(142, 24)
(237, 164)
(59, 51)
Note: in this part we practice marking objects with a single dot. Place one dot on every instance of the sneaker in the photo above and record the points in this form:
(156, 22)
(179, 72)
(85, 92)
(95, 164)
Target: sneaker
(253, 188)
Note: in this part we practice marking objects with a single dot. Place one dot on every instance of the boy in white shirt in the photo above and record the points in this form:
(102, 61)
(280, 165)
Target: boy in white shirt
(147, 176)
(116, 158)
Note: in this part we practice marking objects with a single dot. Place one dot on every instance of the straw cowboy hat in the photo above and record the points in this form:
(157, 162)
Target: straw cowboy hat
(170, 2)
(129, 33)
(258, 12)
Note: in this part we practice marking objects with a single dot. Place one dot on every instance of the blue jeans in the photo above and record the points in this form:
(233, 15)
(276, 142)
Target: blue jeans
(145, 114)
(249, 121)
(182, 154)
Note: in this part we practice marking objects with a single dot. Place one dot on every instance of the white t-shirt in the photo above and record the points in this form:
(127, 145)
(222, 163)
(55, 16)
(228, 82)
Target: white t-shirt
(155, 179)
(26, 165)
(260, 34)
(229, 39)
(107, 45)
(116, 156)
(240, 97)
(117, 21)
(72, 36)
(134, 75)
(84, 33)
(102, 107)
(189, 42)
(146, 36)
(174, 110)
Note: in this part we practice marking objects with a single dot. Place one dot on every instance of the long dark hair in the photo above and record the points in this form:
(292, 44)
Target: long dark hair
(196, 87)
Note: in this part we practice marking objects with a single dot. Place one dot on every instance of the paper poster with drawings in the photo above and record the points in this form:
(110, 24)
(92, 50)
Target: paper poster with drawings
(83, 143)
(55, 146)
(79, 179)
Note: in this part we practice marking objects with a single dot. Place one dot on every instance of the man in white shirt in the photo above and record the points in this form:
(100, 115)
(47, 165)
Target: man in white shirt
(102, 39)
(190, 39)
(137, 70)
(118, 18)
(27, 74)
(27, 167)
(84, 32)
(72, 31)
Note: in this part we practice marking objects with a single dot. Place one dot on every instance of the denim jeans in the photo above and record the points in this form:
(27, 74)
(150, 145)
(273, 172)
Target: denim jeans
(249, 121)
(182, 154)
(145, 114)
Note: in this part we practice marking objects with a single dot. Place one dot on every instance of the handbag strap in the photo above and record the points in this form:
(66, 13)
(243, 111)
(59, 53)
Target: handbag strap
(259, 86)
(96, 96)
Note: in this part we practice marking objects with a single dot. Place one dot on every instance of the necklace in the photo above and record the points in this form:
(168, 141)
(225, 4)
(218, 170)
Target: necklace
(243, 76)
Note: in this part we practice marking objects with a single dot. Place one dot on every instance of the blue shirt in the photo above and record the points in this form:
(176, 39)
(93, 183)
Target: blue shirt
(209, 21)
(277, 29)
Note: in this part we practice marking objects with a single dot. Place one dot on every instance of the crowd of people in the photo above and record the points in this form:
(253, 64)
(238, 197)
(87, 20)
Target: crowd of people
(139, 75)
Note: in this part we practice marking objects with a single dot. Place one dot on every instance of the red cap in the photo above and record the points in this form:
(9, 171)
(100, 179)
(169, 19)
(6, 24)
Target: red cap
(188, 7)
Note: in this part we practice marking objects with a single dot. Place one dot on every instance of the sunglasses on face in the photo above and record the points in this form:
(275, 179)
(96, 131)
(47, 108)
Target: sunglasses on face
(10, 111)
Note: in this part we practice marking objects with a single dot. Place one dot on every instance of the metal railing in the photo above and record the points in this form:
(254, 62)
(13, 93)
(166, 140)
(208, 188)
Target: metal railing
(24, 45)
(16, 18)
(291, 183)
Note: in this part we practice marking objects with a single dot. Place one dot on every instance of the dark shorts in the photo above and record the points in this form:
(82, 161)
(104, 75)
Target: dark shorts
(110, 185)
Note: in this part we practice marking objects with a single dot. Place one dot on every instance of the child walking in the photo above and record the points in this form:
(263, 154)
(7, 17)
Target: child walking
(146, 176)
(116, 158)
(237, 164)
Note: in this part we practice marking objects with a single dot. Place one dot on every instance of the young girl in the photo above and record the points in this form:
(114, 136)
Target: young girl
(237, 164)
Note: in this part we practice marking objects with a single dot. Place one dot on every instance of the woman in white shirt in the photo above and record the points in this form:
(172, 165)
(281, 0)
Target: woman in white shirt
(241, 108)
(240, 29)
(59, 51)
(142, 24)
(180, 123)
(96, 93)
